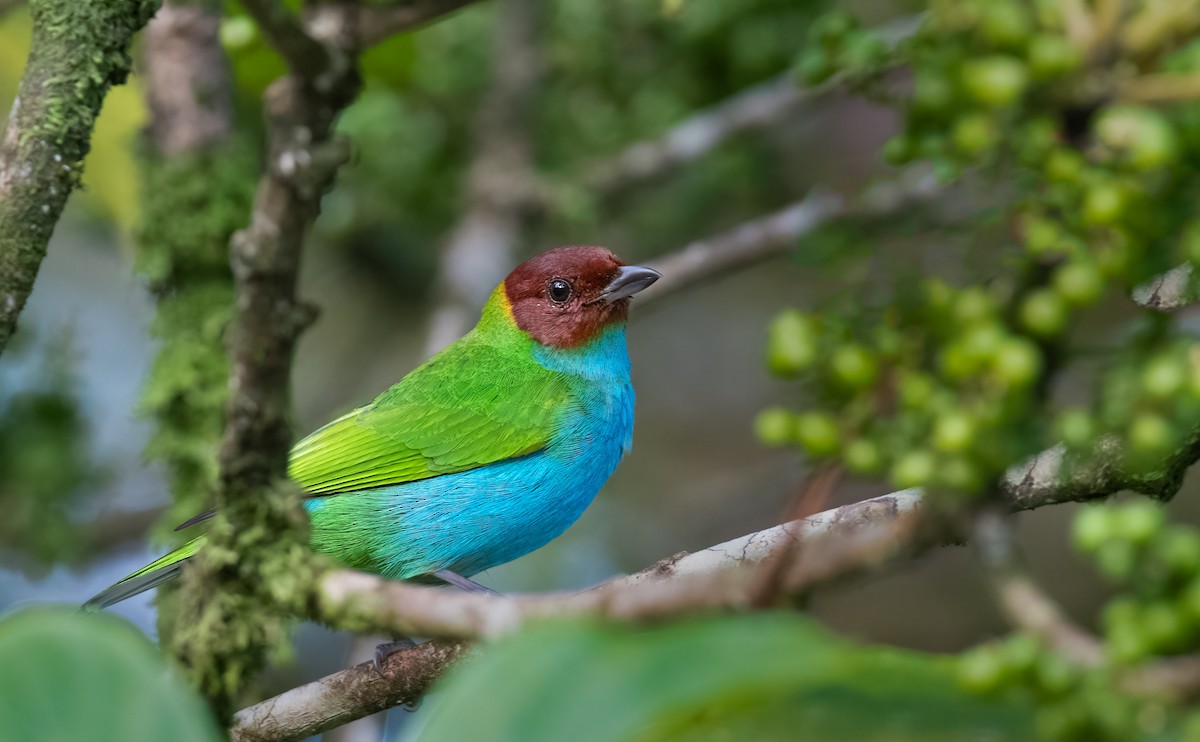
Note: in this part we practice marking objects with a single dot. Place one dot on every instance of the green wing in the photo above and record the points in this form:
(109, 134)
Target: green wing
(471, 405)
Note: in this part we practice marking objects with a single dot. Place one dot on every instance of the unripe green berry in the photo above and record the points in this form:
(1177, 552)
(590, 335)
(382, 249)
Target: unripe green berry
(915, 389)
(792, 343)
(995, 81)
(1142, 136)
(1051, 55)
(975, 133)
(1163, 377)
(1005, 24)
(1140, 522)
(915, 468)
(1064, 165)
(1094, 526)
(959, 474)
(953, 432)
(1179, 549)
(1150, 435)
(1043, 236)
(1104, 203)
(1054, 675)
(775, 426)
(981, 670)
(973, 304)
(863, 456)
(899, 150)
(817, 433)
(832, 28)
(1079, 282)
(813, 66)
(932, 95)
(853, 366)
(1116, 559)
(1044, 313)
(1018, 362)
(1077, 428)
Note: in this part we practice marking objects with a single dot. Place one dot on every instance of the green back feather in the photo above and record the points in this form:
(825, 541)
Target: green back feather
(448, 415)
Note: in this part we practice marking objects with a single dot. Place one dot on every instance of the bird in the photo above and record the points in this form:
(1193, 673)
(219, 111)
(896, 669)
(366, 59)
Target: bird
(487, 451)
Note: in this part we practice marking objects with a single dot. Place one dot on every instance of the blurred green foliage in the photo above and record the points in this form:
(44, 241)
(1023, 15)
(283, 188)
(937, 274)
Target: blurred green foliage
(69, 676)
(193, 203)
(762, 677)
(1154, 615)
(46, 468)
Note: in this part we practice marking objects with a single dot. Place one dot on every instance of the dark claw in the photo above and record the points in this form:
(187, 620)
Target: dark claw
(383, 651)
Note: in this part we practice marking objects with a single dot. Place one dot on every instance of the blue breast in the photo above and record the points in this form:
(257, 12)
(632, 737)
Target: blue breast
(474, 520)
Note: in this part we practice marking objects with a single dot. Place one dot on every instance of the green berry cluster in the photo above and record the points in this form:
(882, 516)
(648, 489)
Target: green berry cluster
(838, 43)
(1073, 703)
(1157, 565)
(1098, 193)
(934, 395)
(1148, 404)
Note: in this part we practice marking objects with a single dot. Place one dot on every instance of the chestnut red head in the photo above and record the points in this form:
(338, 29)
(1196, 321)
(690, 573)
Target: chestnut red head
(565, 296)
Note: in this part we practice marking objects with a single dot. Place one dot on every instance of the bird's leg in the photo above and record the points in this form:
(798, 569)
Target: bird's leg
(463, 583)
(383, 651)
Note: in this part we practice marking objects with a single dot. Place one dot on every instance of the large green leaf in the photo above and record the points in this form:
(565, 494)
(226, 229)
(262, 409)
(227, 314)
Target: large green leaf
(761, 677)
(69, 676)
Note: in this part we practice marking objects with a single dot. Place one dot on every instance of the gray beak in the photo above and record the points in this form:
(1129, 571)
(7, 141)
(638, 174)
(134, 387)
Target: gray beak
(630, 280)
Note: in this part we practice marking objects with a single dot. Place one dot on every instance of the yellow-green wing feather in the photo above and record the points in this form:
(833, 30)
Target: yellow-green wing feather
(474, 404)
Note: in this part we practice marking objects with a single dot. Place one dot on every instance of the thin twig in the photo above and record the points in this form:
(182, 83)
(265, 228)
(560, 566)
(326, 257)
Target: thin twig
(754, 108)
(766, 237)
(305, 56)
(1023, 602)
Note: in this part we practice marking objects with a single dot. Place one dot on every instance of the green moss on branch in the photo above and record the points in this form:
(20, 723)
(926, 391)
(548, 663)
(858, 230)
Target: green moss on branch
(79, 50)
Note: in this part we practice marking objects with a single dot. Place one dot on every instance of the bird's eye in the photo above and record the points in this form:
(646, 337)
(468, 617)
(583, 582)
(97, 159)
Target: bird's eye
(559, 291)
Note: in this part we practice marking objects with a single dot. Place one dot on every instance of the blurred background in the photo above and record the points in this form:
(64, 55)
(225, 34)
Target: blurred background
(395, 260)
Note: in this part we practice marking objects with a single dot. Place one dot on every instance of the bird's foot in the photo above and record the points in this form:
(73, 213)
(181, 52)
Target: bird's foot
(463, 583)
(383, 651)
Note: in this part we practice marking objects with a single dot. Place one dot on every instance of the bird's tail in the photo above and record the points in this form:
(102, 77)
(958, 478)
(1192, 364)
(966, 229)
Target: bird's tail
(152, 575)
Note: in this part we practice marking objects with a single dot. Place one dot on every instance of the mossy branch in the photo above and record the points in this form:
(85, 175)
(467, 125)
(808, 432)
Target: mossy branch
(79, 50)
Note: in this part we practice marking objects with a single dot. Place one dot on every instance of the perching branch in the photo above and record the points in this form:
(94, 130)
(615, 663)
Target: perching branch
(77, 53)
(481, 247)
(344, 696)
(836, 544)
(840, 542)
